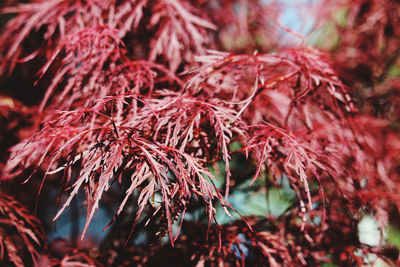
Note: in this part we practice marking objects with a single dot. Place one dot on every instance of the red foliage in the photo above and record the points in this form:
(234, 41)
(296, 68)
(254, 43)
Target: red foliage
(21, 233)
(143, 106)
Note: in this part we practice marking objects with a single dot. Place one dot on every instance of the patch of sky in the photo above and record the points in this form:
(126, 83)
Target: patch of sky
(368, 231)
(296, 15)
(68, 223)
(241, 249)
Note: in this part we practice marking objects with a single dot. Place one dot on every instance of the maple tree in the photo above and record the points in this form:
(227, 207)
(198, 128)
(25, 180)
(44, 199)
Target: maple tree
(169, 119)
